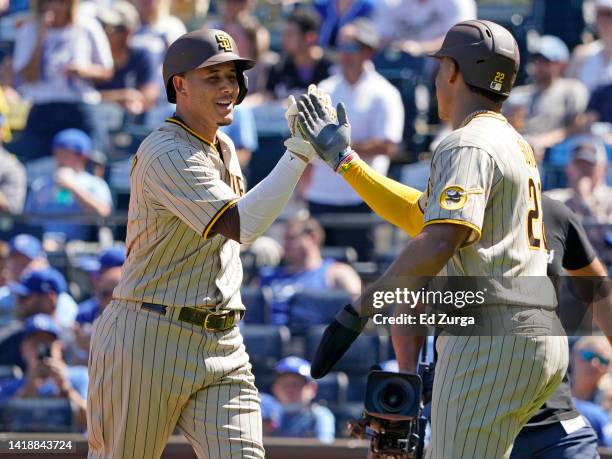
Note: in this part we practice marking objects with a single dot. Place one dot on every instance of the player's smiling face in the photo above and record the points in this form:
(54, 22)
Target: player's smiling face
(211, 93)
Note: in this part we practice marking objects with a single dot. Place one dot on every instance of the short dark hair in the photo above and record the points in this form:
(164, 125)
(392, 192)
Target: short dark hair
(306, 19)
(493, 97)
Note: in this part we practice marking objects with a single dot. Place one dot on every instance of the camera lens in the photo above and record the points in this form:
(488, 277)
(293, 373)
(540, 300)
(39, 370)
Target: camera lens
(396, 396)
(393, 397)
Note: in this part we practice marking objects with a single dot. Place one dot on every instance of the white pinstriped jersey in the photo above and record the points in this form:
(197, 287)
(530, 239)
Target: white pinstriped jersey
(180, 185)
(484, 176)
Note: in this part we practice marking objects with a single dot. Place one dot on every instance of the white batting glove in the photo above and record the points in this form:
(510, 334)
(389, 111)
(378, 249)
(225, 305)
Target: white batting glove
(296, 142)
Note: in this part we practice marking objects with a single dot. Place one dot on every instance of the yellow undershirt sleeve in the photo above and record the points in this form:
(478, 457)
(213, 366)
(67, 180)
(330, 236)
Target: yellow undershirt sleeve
(392, 201)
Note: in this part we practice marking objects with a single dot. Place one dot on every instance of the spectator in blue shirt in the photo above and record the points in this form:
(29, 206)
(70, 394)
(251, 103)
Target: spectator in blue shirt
(304, 268)
(295, 390)
(134, 86)
(46, 373)
(71, 190)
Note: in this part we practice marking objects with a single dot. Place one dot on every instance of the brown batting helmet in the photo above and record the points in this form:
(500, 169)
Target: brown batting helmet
(203, 48)
(487, 54)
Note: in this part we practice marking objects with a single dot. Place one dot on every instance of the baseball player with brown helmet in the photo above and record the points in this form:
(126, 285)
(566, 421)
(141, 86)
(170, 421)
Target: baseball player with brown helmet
(481, 216)
(167, 352)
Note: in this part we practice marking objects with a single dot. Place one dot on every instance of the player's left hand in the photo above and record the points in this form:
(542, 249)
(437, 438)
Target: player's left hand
(296, 143)
(337, 338)
(330, 137)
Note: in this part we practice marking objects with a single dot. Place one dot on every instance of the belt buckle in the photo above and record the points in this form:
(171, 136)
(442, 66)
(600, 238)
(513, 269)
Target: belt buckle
(206, 326)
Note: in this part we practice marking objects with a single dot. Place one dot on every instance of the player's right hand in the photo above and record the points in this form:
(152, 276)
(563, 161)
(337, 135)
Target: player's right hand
(330, 139)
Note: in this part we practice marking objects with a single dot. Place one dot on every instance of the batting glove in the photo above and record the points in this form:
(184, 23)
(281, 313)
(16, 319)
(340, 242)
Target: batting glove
(330, 137)
(296, 143)
(336, 340)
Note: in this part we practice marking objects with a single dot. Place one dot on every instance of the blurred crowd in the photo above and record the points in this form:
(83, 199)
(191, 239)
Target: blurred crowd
(81, 86)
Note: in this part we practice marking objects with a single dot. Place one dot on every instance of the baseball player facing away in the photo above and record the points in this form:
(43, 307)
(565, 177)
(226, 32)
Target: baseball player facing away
(482, 217)
(167, 352)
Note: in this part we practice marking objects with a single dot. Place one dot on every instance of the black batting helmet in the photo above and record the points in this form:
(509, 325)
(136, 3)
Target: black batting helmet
(487, 54)
(203, 48)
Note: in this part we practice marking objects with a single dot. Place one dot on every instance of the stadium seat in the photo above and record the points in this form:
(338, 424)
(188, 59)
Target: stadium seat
(10, 372)
(266, 345)
(264, 159)
(308, 308)
(332, 389)
(366, 351)
(257, 307)
(357, 386)
(37, 415)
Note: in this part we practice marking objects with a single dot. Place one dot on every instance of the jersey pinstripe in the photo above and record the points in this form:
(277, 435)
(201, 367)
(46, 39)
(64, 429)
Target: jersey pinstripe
(484, 176)
(180, 185)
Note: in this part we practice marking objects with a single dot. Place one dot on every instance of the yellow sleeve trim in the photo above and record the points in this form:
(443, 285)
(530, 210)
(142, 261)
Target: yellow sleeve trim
(217, 216)
(452, 221)
(192, 132)
(391, 200)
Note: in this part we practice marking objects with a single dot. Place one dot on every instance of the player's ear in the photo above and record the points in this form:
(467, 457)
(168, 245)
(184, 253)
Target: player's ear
(453, 73)
(180, 84)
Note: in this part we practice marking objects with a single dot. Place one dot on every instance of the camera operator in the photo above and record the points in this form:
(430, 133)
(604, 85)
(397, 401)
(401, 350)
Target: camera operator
(47, 374)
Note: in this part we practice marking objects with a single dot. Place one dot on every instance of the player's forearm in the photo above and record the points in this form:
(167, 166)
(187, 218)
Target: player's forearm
(264, 202)
(391, 200)
(407, 344)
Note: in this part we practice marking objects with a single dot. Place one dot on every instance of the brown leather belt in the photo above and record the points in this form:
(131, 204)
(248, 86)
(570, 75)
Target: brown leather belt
(209, 321)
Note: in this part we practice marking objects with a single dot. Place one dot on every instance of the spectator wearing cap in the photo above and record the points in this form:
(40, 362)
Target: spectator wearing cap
(376, 111)
(58, 57)
(302, 62)
(72, 190)
(592, 63)
(46, 372)
(295, 390)
(545, 111)
(26, 254)
(36, 292)
(134, 85)
(104, 275)
(13, 183)
(587, 194)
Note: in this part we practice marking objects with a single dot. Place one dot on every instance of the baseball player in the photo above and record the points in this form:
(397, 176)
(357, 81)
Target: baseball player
(482, 217)
(166, 352)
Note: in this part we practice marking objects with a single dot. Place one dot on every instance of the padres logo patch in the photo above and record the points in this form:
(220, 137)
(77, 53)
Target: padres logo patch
(224, 42)
(455, 197)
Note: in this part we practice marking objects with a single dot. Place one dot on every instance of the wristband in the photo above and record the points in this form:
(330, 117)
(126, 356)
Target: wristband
(347, 162)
